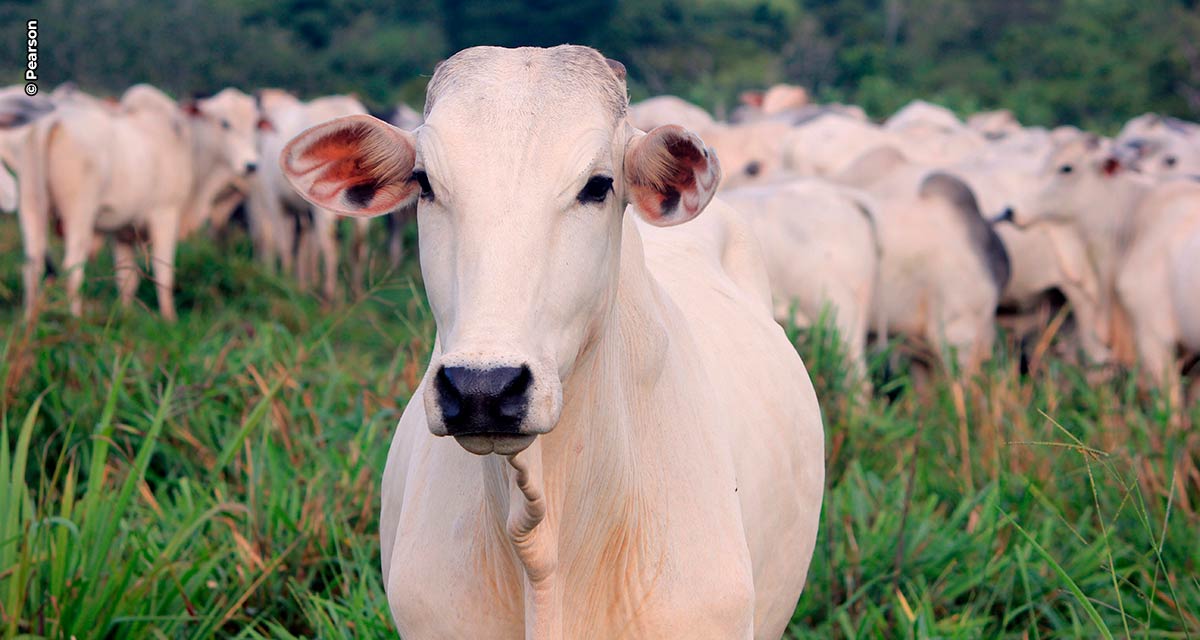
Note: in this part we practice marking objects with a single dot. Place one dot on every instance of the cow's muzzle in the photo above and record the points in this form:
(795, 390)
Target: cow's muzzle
(485, 409)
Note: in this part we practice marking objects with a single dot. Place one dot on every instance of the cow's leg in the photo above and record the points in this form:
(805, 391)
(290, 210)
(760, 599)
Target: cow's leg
(1142, 292)
(304, 257)
(358, 256)
(1091, 325)
(325, 230)
(968, 337)
(851, 322)
(395, 222)
(78, 220)
(35, 236)
(127, 271)
(164, 233)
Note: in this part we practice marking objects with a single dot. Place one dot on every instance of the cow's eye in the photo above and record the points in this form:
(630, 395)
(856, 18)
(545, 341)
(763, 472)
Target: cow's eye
(225, 124)
(422, 179)
(1170, 161)
(596, 190)
(1065, 169)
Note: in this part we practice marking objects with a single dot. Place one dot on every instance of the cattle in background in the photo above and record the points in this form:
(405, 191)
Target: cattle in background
(661, 449)
(664, 110)
(1043, 258)
(751, 153)
(776, 100)
(1083, 187)
(407, 118)
(16, 111)
(286, 227)
(822, 255)
(943, 267)
(995, 125)
(225, 152)
(1158, 283)
(828, 144)
(1160, 146)
(123, 170)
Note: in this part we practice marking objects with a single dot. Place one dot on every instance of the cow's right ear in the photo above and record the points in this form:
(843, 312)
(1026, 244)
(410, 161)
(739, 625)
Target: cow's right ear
(355, 166)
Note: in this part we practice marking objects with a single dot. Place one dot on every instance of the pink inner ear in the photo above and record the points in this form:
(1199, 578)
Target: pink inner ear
(352, 166)
(670, 174)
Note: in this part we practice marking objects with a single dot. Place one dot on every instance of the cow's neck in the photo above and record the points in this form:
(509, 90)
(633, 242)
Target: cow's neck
(207, 175)
(1106, 238)
(576, 505)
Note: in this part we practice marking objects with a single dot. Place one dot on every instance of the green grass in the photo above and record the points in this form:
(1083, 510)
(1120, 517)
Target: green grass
(219, 477)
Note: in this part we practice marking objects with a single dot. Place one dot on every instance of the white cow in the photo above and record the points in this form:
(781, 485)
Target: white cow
(407, 118)
(1084, 187)
(283, 224)
(943, 265)
(830, 143)
(659, 469)
(922, 113)
(663, 110)
(821, 252)
(1042, 257)
(220, 162)
(16, 110)
(751, 153)
(1158, 284)
(125, 171)
(1160, 146)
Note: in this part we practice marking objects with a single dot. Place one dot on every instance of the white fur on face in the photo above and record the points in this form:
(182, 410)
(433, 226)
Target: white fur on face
(518, 270)
(230, 121)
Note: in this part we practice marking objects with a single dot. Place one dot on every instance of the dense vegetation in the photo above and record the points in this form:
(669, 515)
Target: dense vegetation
(1088, 62)
(220, 476)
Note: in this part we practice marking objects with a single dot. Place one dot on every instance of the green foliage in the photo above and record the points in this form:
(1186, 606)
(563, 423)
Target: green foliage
(220, 477)
(1095, 63)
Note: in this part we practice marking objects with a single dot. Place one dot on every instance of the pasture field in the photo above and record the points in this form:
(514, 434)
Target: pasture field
(219, 477)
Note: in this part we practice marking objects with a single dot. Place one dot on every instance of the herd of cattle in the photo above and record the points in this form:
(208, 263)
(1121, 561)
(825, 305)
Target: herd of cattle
(921, 226)
(925, 226)
(660, 463)
(145, 168)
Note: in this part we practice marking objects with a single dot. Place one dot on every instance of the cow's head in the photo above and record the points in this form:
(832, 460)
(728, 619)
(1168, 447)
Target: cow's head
(1074, 182)
(228, 124)
(521, 172)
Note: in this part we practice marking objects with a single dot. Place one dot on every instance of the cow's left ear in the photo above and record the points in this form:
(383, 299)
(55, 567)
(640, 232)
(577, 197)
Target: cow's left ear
(355, 166)
(670, 175)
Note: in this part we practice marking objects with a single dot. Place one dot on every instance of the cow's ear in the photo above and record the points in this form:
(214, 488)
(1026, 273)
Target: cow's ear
(670, 175)
(1110, 166)
(355, 166)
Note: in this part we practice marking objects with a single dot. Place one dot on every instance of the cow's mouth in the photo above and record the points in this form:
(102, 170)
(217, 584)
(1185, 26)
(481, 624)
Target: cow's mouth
(505, 444)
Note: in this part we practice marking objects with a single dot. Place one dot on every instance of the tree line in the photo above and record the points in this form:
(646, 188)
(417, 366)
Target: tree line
(1090, 62)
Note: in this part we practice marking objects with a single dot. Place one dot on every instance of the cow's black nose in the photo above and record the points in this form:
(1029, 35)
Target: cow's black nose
(483, 401)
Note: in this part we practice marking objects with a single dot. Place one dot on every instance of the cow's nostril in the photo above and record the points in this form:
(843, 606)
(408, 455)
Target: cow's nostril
(474, 401)
(251, 167)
